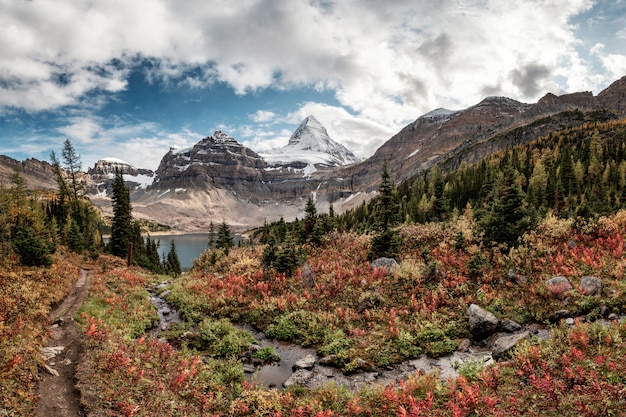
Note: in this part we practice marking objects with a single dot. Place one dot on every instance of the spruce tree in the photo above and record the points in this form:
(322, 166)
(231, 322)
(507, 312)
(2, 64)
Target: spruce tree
(385, 242)
(224, 238)
(172, 266)
(122, 224)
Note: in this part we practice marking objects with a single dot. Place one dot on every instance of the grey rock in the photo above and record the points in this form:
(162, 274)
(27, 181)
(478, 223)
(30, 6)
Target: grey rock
(558, 286)
(569, 321)
(248, 368)
(562, 314)
(51, 351)
(502, 344)
(308, 362)
(482, 323)
(384, 263)
(591, 285)
(605, 311)
(165, 293)
(510, 326)
(51, 371)
(300, 377)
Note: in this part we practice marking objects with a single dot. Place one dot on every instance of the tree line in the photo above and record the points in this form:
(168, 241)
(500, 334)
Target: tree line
(33, 222)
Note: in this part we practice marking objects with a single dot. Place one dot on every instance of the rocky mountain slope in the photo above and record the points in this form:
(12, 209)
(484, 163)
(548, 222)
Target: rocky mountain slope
(37, 174)
(434, 136)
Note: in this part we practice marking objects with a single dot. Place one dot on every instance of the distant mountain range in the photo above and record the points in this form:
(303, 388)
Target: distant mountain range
(218, 179)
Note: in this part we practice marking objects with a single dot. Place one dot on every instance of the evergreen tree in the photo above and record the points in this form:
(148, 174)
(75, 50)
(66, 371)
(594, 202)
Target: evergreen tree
(224, 238)
(507, 217)
(172, 266)
(29, 235)
(73, 166)
(212, 235)
(310, 230)
(386, 241)
(122, 225)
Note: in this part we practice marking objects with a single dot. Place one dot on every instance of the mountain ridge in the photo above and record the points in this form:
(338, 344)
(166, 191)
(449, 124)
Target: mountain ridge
(219, 179)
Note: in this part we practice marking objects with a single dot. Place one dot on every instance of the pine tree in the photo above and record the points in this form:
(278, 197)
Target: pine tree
(122, 224)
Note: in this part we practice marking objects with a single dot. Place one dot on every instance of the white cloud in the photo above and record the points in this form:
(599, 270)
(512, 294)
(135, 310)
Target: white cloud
(263, 116)
(386, 63)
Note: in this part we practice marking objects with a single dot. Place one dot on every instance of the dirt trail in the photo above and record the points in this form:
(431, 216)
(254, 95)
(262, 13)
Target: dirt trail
(58, 396)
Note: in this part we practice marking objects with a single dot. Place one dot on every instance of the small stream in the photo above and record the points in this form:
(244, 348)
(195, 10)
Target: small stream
(282, 373)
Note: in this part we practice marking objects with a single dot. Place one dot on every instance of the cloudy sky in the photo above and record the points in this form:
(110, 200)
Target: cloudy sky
(130, 79)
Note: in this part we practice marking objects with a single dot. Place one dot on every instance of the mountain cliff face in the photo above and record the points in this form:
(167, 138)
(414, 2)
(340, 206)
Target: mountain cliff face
(37, 174)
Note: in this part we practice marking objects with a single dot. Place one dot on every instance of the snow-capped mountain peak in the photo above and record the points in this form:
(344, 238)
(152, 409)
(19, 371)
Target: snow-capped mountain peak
(310, 146)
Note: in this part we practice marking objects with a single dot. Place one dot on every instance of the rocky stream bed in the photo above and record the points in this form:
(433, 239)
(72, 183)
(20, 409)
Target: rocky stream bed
(302, 366)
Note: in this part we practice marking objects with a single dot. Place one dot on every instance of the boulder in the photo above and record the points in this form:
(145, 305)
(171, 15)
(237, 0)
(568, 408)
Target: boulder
(502, 343)
(482, 323)
(308, 362)
(591, 286)
(300, 377)
(387, 264)
(510, 326)
(562, 314)
(558, 286)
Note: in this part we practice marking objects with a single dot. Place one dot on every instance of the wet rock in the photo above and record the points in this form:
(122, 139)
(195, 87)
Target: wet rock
(387, 264)
(482, 323)
(591, 286)
(248, 368)
(613, 317)
(510, 326)
(163, 284)
(164, 294)
(558, 286)
(300, 377)
(308, 362)
(501, 344)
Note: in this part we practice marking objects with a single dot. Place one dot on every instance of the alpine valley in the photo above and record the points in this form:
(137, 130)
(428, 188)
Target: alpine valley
(218, 179)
